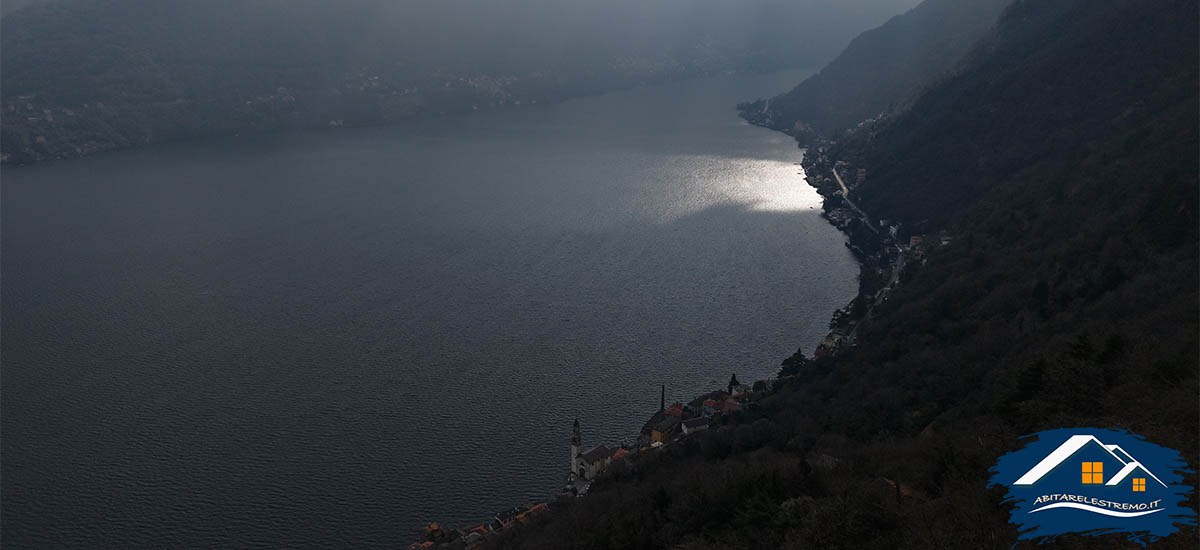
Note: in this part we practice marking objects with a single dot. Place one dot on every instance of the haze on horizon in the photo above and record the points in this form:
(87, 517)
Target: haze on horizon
(477, 35)
(135, 72)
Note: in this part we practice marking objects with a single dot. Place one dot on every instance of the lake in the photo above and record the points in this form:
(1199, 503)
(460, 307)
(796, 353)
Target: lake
(330, 338)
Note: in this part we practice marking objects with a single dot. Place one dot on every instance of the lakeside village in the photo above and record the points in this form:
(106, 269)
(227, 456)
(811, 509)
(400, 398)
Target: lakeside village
(671, 423)
(886, 258)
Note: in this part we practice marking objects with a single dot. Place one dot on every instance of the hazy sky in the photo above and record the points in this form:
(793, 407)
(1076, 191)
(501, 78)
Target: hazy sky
(172, 48)
(475, 25)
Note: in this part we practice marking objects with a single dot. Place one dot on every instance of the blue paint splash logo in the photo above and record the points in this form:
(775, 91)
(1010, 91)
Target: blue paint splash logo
(1094, 481)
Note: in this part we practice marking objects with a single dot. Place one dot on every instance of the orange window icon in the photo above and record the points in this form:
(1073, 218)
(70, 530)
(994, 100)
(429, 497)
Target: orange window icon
(1139, 484)
(1093, 472)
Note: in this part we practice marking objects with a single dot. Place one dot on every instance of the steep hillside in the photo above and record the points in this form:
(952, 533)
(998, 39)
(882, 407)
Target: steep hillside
(881, 69)
(1061, 165)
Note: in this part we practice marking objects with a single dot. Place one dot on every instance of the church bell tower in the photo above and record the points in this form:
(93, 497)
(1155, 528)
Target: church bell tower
(576, 439)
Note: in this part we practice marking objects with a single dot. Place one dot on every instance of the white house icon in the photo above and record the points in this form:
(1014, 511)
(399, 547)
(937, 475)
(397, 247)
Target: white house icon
(1074, 444)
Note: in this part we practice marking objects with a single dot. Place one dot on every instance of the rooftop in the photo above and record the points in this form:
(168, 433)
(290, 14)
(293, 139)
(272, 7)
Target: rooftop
(666, 423)
(696, 423)
(507, 515)
(597, 453)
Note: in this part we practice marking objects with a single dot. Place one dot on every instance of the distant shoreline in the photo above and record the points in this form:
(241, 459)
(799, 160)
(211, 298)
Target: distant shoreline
(51, 131)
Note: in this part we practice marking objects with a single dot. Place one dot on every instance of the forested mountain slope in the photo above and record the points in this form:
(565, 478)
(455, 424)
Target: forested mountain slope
(1061, 163)
(881, 69)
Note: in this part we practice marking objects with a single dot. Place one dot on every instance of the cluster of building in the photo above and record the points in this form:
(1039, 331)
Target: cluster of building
(436, 536)
(669, 424)
(918, 247)
(22, 106)
(887, 254)
(881, 257)
(684, 419)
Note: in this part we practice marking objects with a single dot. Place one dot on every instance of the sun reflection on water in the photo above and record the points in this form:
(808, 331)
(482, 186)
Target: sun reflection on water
(699, 182)
(780, 187)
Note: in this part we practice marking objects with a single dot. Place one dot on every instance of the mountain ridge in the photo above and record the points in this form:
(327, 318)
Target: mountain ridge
(881, 70)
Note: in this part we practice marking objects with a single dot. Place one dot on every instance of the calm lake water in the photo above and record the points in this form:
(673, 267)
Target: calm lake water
(327, 339)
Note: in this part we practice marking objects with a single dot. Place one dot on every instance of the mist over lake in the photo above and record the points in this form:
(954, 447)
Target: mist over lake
(328, 338)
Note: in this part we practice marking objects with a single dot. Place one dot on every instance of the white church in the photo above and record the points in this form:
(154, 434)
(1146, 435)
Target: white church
(585, 465)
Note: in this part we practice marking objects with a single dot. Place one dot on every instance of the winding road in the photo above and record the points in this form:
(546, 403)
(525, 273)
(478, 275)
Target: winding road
(896, 267)
(846, 196)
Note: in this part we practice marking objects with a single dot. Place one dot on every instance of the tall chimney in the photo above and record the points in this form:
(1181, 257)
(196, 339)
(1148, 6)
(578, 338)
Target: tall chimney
(662, 401)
